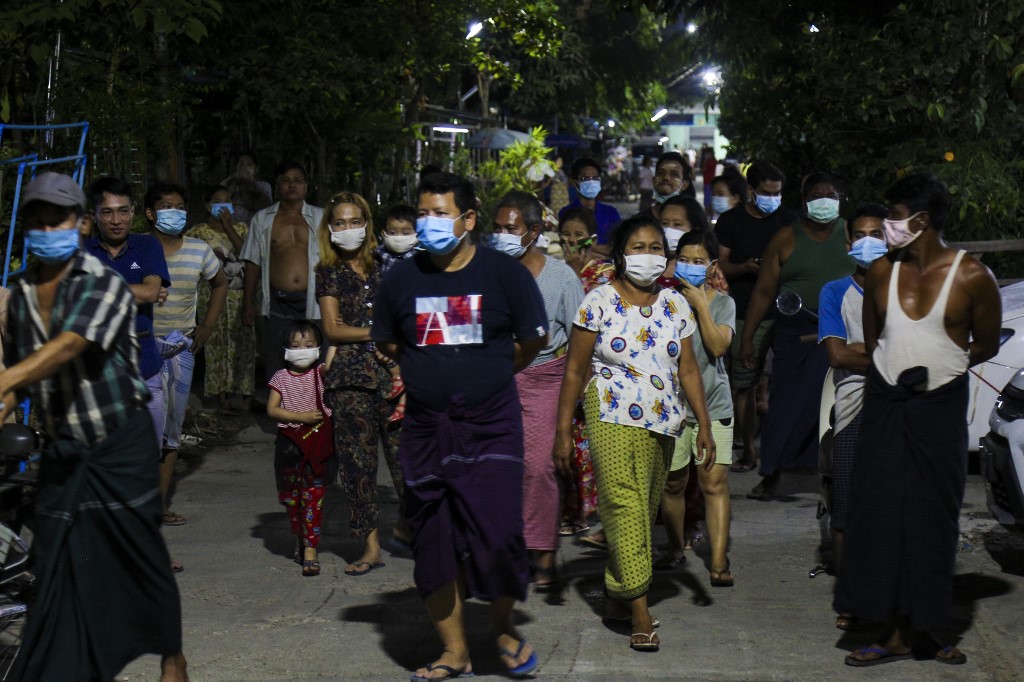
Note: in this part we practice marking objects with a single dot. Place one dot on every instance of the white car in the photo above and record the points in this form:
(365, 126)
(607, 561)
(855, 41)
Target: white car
(988, 379)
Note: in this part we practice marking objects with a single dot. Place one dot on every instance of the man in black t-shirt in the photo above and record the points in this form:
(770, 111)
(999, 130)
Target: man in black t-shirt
(462, 320)
(743, 234)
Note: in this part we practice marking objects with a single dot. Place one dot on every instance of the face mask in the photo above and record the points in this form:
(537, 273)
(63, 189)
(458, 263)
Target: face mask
(437, 234)
(349, 240)
(301, 357)
(512, 244)
(215, 209)
(720, 204)
(823, 210)
(662, 198)
(590, 188)
(897, 232)
(54, 246)
(867, 250)
(645, 268)
(400, 243)
(170, 220)
(767, 205)
(673, 235)
(693, 273)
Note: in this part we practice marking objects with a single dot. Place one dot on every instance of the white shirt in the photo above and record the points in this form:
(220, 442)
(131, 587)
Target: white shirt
(256, 250)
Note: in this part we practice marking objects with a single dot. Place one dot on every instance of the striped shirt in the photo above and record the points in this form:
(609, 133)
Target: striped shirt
(90, 396)
(298, 392)
(195, 260)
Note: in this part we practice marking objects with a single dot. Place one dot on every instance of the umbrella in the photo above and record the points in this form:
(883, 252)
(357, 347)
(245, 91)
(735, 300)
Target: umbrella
(495, 138)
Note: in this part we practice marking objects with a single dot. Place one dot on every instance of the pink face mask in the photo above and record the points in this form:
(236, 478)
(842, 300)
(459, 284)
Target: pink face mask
(897, 232)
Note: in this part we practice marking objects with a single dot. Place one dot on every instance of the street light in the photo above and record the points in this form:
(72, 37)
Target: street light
(691, 27)
(450, 129)
(474, 29)
(611, 123)
(658, 114)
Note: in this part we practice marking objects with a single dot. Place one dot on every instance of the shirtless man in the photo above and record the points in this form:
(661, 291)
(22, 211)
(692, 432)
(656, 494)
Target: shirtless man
(930, 312)
(280, 254)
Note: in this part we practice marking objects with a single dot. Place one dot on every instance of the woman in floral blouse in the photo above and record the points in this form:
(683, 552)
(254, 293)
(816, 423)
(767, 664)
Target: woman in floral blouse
(635, 336)
(356, 384)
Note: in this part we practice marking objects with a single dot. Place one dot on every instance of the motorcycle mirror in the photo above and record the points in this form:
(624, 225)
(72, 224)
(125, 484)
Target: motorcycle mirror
(789, 302)
(17, 440)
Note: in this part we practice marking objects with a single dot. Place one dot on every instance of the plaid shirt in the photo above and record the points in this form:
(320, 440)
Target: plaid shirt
(387, 259)
(89, 397)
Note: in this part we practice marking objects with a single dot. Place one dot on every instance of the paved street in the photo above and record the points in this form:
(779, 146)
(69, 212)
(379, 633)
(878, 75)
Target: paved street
(250, 615)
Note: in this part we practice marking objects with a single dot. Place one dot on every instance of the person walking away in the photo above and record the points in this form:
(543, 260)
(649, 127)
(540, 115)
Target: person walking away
(180, 338)
(930, 313)
(280, 254)
(743, 236)
(296, 400)
(635, 335)
(716, 320)
(231, 350)
(518, 222)
(462, 320)
(72, 347)
(841, 331)
(800, 258)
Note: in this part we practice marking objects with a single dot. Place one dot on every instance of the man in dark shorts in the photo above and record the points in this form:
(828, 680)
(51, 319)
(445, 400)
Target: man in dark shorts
(462, 320)
(106, 593)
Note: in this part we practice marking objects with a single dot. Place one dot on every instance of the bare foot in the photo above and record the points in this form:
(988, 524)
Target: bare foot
(173, 668)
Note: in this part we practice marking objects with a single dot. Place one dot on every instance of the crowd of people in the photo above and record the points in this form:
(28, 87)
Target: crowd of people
(519, 396)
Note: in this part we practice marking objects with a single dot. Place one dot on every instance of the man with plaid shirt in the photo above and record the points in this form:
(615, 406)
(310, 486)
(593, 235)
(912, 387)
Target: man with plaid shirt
(71, 346)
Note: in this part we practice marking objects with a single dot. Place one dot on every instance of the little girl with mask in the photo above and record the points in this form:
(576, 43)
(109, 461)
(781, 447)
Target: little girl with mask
(300, 453)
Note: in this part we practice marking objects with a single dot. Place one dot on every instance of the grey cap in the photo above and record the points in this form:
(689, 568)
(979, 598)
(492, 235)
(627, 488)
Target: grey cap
(54, 188)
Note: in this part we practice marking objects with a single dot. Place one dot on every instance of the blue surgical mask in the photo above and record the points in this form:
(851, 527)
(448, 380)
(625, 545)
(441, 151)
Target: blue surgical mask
(823, 210)
(171, 220)
(767, 205)
(693, 273)
(590, 188)
(867, 250)
(437, 234)
(54, 246)
(512, 244)
(662, 198)
(215, 209)
(720, 204)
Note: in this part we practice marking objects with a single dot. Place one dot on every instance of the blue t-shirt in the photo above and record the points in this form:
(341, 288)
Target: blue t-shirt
(141, 257)
(606, 216)
(457, 329)
(840, 316)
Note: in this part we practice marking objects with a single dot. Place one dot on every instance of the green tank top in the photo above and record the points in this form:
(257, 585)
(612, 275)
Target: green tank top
(814, 264)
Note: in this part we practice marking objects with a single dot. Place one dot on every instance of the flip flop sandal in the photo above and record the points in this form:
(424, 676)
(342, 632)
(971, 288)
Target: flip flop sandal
(743, 467)
(369, 567)
(398, 414)
(959, 659)
(884, 656)
(173, 519)
(592, 542)
(846, 623)
(650, 646)
(720, 581)
(574, 528)
(310, 567)
(668, 562)
(452, 673)
(176, 566)
(524, 669)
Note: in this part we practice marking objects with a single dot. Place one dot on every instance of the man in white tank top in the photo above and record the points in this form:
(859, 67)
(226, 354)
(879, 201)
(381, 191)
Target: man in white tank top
(930, 312)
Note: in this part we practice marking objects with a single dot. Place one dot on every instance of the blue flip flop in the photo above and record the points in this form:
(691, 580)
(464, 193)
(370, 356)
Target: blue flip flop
(367, 564)
(884, 656)
(452, 673)
(525, 669)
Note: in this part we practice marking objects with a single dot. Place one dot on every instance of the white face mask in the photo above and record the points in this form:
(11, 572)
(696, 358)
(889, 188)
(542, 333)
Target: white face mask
(301, 357)
(400, 243)
(897, 232)
(644, 268)
(349, 240)
(673, 235)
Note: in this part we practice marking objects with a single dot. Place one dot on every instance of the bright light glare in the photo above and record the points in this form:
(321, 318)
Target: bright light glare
(658, 114)
(691, 28)
(474, 28)
(611, 123)
(813, 29)
(450, 129)
(663, 140)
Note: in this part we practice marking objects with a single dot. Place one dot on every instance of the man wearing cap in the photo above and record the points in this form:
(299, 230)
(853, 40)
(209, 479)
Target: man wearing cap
(105, 589)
